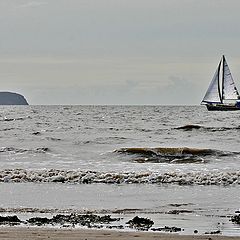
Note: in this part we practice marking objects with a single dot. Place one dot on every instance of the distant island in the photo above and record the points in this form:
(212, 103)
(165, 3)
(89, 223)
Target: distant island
(10, 98)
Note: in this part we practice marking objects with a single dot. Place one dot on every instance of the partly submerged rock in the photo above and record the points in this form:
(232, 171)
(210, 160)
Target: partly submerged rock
(10, 98)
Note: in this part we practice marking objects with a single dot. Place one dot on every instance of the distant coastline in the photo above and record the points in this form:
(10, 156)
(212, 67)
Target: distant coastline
(11, 98)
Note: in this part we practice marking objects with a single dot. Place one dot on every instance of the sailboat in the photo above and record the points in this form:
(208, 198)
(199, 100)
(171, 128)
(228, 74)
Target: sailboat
(222, 94)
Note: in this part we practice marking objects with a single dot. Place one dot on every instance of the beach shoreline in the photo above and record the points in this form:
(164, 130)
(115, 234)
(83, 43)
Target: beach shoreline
(28, 233)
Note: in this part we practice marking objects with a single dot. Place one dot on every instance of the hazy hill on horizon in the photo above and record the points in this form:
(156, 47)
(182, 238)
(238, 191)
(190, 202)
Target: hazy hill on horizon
(11, 98)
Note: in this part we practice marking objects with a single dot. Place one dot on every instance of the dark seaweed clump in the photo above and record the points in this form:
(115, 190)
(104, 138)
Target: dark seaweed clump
(167, 229)
(72, 219)
(213, 232)
(11, 220)
(140, 223)
(88, 220)
(236, 219)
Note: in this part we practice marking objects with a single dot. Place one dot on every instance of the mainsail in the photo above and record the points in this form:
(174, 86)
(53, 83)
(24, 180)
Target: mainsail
(213, 94)
(229, 90)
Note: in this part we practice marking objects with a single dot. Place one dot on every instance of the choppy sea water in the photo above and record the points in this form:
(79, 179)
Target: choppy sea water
(178, 165)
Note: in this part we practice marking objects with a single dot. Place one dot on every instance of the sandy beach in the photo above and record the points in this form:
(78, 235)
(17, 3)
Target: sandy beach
(82, 234)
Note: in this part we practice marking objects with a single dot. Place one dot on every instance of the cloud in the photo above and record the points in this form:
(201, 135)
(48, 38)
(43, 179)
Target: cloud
(31, 4)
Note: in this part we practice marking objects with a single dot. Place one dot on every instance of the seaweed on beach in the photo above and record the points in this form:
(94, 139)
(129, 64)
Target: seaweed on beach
(142, 224)
(236, 219)
(213, 232)
(73, 219)
(167, 229)
(179, 211)
(10, 220)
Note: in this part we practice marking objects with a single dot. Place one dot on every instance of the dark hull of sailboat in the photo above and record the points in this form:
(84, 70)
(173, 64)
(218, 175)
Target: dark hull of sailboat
(222, 107)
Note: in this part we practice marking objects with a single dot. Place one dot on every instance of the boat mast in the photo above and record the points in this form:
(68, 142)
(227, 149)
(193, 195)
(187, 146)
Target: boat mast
(219, 92)
(223, 70)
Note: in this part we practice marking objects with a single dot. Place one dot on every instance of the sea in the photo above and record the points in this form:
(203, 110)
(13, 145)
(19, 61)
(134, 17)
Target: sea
(176, 165)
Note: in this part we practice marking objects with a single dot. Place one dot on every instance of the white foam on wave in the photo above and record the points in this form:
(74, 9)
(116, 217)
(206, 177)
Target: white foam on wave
(20, 150)
(88, 177)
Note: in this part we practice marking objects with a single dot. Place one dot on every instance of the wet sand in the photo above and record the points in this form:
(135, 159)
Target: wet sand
(20, 233)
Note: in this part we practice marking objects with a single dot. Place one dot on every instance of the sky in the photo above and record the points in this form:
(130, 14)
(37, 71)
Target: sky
(158, 52)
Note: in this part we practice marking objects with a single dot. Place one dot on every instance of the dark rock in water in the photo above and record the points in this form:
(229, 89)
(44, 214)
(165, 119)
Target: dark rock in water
(9, 98)
(140, 223)
(236, 219)
(12, 220)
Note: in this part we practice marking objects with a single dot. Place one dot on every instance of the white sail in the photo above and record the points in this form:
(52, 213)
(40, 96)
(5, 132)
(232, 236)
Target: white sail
(213, 93)
(229, 90)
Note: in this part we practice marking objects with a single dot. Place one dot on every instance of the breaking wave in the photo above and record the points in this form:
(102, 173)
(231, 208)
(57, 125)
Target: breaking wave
(190, 127)
(7, 129)
(20, 150)
(5, 119)
(89, 177)
(65, 210)
(171, 155)
(101, 140)
(167, 151)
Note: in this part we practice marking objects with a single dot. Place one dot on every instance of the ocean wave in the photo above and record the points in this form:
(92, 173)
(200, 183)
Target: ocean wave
(75, 210)
(7, 129)
(190, 127)
(5, 119)
(168, 151)
(89, 177)
(101, 140)
(36, 133)
(53, 139)
(72, 210)
(20, 150)
(171, 155)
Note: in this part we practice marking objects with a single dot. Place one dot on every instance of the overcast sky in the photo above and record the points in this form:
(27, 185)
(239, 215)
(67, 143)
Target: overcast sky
(116, 51)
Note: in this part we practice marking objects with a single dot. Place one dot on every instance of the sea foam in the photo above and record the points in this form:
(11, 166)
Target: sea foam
(88, 177)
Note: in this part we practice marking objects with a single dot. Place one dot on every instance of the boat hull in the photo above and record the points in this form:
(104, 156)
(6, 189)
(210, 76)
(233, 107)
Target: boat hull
(222, 107)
